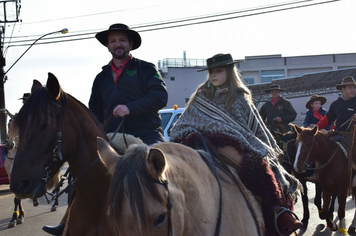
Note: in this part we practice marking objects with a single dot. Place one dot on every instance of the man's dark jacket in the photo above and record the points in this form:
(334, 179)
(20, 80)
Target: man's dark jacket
(341, 111)
(140, 87)
(283, 108)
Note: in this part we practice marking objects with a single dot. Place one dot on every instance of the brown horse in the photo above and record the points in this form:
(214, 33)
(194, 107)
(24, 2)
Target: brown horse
(168, 189)
(331, 169)
(54, 128)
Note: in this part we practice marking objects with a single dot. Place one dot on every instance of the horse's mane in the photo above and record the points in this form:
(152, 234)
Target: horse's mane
(130, 181)
(40, 112)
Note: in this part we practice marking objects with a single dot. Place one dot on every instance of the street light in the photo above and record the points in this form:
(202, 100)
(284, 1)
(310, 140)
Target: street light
(63, 31)
(3, 111)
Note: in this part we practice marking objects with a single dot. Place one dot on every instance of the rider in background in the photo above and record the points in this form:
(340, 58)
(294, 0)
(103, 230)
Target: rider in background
(343, 109)
(315, 111)
(277, 112)
(221, 111)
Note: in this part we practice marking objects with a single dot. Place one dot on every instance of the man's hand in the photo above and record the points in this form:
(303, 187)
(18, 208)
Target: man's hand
(278, 119)
(121, 110)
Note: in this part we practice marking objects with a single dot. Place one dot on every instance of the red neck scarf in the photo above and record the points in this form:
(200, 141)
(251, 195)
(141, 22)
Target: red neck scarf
(118, 70)
(317, 114)
(275, 101)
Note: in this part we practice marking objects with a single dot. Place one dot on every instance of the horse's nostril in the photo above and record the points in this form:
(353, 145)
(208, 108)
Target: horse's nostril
(24, 186)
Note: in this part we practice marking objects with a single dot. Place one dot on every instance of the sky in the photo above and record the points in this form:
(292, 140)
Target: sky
(321, 29)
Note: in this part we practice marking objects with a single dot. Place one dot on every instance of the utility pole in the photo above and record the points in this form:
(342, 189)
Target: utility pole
(16, 5)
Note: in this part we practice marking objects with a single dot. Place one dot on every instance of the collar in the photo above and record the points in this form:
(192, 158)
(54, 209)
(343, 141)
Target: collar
(115, 68)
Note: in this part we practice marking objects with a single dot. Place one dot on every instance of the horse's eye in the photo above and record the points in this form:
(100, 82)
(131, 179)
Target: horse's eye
(160, 220)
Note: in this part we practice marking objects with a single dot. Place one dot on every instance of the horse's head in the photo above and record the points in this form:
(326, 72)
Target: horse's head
(137, 203)
(305, 156)
(39, 124)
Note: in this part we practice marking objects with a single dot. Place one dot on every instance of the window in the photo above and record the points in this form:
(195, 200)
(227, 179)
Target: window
(173, 78)
(269, 75)
(186, 100)
(249, 80)
(165, 117)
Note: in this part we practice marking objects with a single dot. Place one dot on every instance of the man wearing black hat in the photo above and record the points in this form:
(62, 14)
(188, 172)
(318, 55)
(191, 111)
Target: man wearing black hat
(277, 112)
(343, 109)
(128, 87)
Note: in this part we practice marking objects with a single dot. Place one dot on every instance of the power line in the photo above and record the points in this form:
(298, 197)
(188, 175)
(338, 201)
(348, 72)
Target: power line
(181, 23)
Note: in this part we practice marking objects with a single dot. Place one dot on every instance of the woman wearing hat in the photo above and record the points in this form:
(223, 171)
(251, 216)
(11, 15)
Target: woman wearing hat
(222, 110)
(343, 109)
(315, 111)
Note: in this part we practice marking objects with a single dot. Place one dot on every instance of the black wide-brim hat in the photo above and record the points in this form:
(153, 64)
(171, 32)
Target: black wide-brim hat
(25, 96)
(218, 60)
(348, 80)
(274, 87)
(133, 36)
(314, 98)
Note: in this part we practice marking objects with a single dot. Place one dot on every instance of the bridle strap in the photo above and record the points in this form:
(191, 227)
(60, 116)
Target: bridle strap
(169, 205)
(85, 170)
(209, 161)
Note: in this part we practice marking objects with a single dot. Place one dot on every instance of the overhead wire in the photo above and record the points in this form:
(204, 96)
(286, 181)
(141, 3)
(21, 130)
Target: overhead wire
(180, 22)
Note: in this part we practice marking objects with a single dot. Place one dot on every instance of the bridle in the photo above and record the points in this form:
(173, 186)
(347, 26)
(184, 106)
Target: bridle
(169, 205)
(57, 151)
(309, 165)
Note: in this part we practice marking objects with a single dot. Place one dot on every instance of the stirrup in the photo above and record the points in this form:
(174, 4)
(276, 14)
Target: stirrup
(276, 215)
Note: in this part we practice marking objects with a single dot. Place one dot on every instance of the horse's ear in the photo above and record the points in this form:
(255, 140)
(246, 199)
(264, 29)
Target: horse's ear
(156, 162)
(315, 130)
(53, 87)
(36, 85)
(107, 154)
(297, 129)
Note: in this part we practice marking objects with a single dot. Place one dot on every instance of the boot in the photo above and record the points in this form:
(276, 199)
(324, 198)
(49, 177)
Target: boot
(285, 221)
(55, 230)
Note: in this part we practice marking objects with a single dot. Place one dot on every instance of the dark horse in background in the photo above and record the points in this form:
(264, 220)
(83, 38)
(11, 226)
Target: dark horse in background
(332, 169)
(55, 128)
(287, 142)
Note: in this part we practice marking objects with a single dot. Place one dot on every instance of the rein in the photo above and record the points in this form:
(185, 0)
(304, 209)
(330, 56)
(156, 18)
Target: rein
(106, 124)
(212, 165)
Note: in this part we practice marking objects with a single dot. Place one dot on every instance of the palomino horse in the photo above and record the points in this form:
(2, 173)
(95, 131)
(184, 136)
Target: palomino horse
(53, 128)
(331, 167)
(288, 145)
(18, 216)
(168, 189)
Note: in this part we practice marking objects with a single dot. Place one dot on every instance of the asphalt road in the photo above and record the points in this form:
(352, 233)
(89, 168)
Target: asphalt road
(37, 217)
(316, 226)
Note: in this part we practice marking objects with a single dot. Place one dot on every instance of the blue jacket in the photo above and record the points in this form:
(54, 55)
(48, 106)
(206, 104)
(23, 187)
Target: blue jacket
(311, 119)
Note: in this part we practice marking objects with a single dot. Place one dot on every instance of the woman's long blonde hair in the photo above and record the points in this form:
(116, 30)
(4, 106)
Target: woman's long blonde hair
(235, 85)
